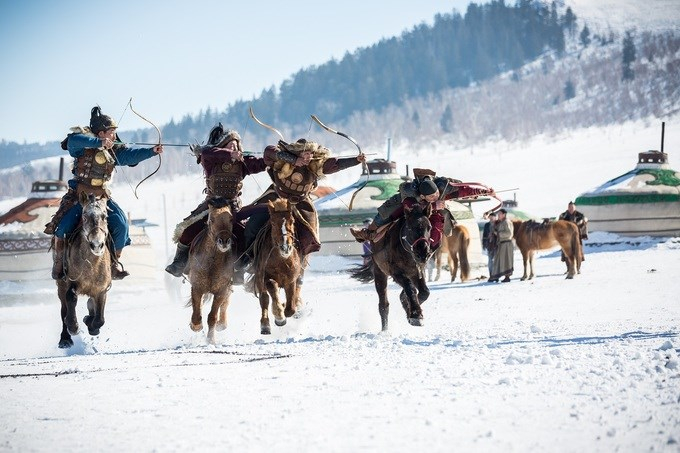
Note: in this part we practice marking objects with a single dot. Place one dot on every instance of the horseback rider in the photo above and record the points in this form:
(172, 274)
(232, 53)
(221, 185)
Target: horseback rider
(295, 169)
(224, 166)
(97, 150)
(425, 188)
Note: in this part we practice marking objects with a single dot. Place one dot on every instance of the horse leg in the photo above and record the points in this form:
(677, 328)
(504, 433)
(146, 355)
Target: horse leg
(525, 259)
(423, 290)
(291, 299)
(453, 263)
(219, 300)
(196, 323)
(438, 264)
(532, 256)
(277, 305)
(65, 340)
(265, 329)
(222, 314)
(409, 300)
(380, 282)
(70, 317)
(95, 318)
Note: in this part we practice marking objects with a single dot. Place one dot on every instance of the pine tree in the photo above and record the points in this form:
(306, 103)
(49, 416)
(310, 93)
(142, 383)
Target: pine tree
(628, 56)
(447, 119)
(584, 37)
(569, 90)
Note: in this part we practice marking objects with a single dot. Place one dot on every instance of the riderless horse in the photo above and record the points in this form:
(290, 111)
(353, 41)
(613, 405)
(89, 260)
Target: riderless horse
(531, 236)
(456, 248)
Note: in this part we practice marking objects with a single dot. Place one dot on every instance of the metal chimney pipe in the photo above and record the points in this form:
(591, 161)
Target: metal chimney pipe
(663, 129)
(61, 169)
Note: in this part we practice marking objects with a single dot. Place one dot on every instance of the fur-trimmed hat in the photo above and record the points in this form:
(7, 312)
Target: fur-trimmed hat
(99, 122)
(319, 156)
(219, 138)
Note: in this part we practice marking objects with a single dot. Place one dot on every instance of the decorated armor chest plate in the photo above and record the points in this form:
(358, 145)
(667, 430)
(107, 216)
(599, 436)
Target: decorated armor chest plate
(226, 180)
(94, 167)
(300, 183)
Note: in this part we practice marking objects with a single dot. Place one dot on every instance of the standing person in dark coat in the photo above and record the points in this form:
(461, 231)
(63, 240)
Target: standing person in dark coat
(581, 221)
(489, 240)
(503, 259)
(224, 166)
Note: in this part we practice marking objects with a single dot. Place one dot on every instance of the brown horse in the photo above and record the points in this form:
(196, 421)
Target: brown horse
(211, 268)
(87, 270)
(276, 264)
(402, 254)
(531, 236)
(456, 247)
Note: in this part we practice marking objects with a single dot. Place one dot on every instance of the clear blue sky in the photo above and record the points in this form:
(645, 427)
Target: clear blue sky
(60, 58)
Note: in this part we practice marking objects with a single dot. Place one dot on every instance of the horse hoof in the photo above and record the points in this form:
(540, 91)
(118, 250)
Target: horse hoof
(280, 322)
(220, 327)
(569, 277)
(265, 330)
(196, 327)
(65, 343)
(94, 332)
(289, 313)
(87, 320)
(415, 321)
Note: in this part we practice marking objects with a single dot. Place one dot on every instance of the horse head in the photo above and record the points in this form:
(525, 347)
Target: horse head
(220, 223)
(283, 226)
(95, 228)
(415, 235)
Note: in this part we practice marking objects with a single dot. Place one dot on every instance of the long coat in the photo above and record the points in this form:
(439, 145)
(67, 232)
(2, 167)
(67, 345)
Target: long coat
(503, 259)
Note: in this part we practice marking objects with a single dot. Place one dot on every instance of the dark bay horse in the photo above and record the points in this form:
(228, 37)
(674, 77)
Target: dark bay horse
(276, 264)
(401, 254)
(211, 268)
(87, 270)
(456, 247)
(531, 236)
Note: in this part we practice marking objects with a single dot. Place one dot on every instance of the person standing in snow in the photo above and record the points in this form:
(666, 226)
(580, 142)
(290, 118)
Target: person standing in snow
(503, 259)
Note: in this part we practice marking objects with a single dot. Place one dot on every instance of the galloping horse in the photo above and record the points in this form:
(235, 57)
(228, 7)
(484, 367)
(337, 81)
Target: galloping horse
(456, 247)
(401, 254)
(87, 270)
(211, 268)
(276, 263)
(531, 236)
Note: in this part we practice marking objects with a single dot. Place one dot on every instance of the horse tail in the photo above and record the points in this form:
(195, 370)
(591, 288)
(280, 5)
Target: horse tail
(576, 248)
(463, 254)
(363, 273)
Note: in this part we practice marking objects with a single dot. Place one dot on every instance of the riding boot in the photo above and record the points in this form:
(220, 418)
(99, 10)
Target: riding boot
(364, 234)
(58, 257)
(118, 274)
(179, 262)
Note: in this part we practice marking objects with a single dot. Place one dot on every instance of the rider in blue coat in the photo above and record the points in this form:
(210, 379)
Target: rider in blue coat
(97, 151)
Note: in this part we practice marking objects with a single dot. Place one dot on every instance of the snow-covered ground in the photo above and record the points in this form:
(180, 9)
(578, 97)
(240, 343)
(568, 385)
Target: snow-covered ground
(589, 364)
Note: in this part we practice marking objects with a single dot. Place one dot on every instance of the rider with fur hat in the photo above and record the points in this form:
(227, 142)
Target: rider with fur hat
(425, 188)
(224, 166)
(295, 169)
(96, 151)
